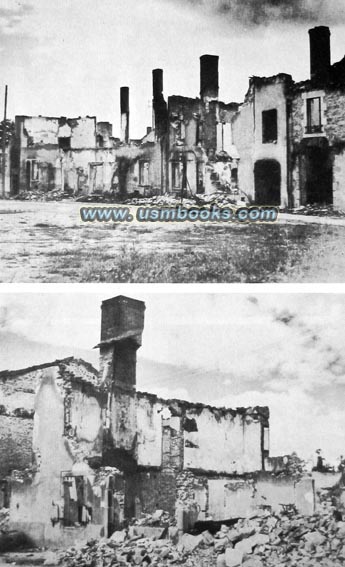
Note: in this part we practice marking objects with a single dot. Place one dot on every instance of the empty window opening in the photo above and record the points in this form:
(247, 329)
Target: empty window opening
(314, 115)
(32, 172)
(269, 126)
(144, 173)
(64, 143)
(176, 175)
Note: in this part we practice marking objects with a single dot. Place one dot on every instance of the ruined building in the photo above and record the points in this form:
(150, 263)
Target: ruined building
(81, 450)
(284, 145)
(74, 155)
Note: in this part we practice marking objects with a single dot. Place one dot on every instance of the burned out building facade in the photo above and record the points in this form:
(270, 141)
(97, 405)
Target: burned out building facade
(282, 146)
(82, 450)
(78, 156)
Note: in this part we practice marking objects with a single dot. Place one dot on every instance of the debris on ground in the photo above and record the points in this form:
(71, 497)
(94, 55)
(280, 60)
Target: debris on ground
(218, 198)
(316, 210)
(41, 195)
(263, 539)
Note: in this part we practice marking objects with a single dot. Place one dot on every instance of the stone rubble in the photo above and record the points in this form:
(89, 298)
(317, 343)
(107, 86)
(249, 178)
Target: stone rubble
(218, 198)
(264, 539)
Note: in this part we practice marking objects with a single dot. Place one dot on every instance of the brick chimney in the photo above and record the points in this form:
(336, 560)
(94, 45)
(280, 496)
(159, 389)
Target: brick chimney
(320, 53)
(124, 103)
(209, 84)
(121, 333)
(159, 106)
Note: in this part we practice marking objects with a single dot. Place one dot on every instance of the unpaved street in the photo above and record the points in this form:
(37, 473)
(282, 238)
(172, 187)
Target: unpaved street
(47, 242)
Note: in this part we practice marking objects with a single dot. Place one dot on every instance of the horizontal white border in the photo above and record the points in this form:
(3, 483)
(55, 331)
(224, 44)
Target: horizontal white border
(131, 288)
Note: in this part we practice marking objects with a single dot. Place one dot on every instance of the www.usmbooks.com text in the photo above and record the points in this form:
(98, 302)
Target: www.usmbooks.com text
(179, 214)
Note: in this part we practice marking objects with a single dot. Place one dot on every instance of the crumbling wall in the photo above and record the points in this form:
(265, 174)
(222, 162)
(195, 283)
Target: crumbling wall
(149, 438)
(238, 446)
(15, 443)
(272, 94)
(67, 432)
(17, 395)
(82, 166)
(150, 490)
(192, 429)
(83, 132)
(243, 137)
(123, 423)
(333, 123)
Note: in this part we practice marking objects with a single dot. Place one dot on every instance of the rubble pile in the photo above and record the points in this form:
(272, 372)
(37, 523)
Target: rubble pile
(285, 539)
(4, 519)
(316, 210)
(158, 519)
(262, 540)
(219, 198)
(40, 195)
(133, 548)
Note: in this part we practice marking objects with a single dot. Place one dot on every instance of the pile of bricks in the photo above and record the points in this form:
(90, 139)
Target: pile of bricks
(263, 540)
(286, 539)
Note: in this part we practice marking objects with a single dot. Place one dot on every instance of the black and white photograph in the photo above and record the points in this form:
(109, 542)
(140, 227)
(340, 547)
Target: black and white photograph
(172, 141)
(172, 283)
(172, 429)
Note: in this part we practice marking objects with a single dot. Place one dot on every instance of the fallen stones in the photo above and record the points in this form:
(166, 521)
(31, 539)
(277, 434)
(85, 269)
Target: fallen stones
(233, 557)
(189, 542)
(263, 540)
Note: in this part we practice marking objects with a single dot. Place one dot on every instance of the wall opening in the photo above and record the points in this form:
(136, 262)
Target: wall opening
(269, 126)
(64, 143)
(314, 115)
(267, 176)
(318, 176)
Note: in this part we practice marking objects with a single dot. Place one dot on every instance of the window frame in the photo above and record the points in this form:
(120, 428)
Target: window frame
(310, 127)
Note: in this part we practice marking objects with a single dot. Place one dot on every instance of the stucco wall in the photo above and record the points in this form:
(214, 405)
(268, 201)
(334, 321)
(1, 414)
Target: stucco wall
(223, 442)
(243, 137)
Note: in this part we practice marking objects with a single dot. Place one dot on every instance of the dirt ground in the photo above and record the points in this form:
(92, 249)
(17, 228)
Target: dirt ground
(47, 242)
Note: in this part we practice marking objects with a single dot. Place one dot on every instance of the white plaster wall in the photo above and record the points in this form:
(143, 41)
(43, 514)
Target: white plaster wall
(224, 444)
(243, 139)
(84, 133)
(149, 439)
(43, 130)
(35, 503)
(86, 417)
(268, 97)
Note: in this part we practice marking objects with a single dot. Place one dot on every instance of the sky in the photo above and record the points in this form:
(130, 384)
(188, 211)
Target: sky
(281, 350)
(70, 58)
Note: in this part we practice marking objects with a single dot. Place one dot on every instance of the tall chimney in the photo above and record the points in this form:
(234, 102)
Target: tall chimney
(159, 106)
(124, 103)
(209, 86)
(121, 332)
(320, 53)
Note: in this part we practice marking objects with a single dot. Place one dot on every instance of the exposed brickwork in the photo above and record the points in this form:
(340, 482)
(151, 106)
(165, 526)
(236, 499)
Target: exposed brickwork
(15, 444)
(149, 491)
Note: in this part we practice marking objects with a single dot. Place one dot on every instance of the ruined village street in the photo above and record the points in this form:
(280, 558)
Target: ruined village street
(47, 242)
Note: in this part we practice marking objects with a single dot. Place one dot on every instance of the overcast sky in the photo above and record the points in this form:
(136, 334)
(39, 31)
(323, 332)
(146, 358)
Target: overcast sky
(70, 57)
(285, 351)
